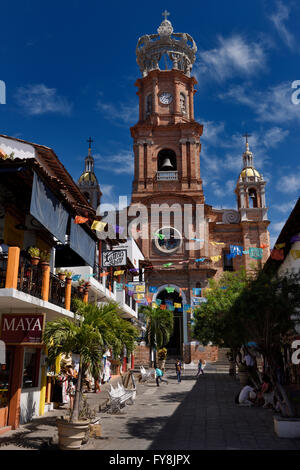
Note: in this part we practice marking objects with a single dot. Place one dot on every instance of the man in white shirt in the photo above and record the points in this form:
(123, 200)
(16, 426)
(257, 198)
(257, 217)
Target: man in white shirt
(247, 396)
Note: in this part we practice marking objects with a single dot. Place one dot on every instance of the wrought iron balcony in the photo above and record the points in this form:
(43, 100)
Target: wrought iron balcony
(167, 175)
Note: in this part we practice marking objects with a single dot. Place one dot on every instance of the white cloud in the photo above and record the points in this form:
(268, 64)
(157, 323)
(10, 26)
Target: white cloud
(123, 114)
(272, 105)
(278, 19)
(276, 227)
(39, 99)
(289, 183)
(233, 57)
(118, 163)
(285, 207)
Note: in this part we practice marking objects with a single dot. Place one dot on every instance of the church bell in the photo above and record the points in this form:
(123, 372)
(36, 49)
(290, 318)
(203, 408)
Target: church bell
(167, 165)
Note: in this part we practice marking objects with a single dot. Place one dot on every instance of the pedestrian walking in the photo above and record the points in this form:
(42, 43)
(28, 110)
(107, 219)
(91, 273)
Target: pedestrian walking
(178, 370)
(158, 374)
(200, 368)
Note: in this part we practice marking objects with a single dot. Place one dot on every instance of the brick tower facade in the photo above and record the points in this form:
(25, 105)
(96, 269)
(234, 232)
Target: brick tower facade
(184, 239)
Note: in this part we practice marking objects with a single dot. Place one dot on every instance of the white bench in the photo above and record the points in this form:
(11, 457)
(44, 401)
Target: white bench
(146, 375)
(120, 396)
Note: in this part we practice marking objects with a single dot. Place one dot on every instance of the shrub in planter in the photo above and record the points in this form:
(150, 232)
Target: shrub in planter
(34, 253)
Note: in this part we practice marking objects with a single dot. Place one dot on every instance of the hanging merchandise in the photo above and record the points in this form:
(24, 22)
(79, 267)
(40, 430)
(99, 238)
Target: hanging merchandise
(216, 258)
(236, 250)
(140, 288)
(99, 226)
(80, 220)
(255, 253)
(196, 291)
(119, 273)
(295, 254)
(170, 290)
(153, 289)
(279, 245)
(277, 254)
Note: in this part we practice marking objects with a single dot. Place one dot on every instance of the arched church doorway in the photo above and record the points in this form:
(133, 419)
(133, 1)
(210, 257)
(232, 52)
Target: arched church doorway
(174, 346)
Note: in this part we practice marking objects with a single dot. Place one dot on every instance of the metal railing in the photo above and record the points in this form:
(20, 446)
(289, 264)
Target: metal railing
(167, 175)
(30, 277)
(3, 267)
(57, 291)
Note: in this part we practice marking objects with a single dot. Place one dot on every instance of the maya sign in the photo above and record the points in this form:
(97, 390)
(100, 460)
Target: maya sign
(25, 328)
(114, 258)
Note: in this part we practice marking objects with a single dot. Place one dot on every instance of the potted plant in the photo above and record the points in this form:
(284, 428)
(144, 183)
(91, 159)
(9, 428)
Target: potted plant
(61, 274)
(243, 374)
(34, 253)
(68, 276)
(45, 258)
(80, 286)
(92, 331)
(162, 356)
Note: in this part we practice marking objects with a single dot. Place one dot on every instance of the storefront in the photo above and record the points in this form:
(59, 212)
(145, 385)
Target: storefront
(20, 377)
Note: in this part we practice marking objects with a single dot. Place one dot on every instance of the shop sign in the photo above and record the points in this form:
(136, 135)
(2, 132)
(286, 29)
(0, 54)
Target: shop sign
(114, 258)
(22, 328)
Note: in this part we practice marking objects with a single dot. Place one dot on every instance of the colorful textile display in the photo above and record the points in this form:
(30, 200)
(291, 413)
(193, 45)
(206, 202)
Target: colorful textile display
(255, 253)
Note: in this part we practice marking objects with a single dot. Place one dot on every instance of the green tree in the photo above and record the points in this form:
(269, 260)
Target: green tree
(159, 328)
(93, 330)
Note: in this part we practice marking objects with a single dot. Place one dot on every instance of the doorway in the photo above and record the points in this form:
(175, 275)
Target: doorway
(5, 383)
(174, 346)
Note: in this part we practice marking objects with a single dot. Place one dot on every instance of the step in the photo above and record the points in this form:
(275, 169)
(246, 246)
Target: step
(5, 429)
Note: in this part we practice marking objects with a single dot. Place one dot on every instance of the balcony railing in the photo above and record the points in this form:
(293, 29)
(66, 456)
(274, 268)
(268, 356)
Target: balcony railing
(18, 272)
(167, 175)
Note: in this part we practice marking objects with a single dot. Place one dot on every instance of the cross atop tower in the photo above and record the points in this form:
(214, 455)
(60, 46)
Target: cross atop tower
(166, 14)
(246, 135)
(90, 144)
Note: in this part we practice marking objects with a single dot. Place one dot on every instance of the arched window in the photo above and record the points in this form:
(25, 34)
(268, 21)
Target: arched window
(148, 105)
(252, 195)
(166, 160)
(183, 103)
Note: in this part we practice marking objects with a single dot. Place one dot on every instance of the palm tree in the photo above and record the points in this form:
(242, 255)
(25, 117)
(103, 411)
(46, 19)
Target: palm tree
(159, 327)
(93, 330)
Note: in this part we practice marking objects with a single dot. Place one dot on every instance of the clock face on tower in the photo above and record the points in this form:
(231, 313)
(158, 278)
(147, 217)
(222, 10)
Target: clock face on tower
(168, 240)
(165, 97)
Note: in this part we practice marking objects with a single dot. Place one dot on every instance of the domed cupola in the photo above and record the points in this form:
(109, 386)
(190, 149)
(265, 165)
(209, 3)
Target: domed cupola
(88, 182)
(250, 189)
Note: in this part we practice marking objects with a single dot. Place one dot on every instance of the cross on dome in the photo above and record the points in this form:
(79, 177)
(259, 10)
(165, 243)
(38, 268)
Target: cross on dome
(166, 14)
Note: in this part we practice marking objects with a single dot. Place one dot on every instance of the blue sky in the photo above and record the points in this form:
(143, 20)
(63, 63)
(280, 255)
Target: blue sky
(70, 68)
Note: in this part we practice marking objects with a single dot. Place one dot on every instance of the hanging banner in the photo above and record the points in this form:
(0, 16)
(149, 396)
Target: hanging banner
(114, 258)
(216, 258)
(98, 226)
(216, 243)
(295, 254)
(119, 273)
(236, 250)
(170, 290)
(200, 260)
(255, 253)
(197, 291)
(80, 220)
(153, 289)
(167, 265)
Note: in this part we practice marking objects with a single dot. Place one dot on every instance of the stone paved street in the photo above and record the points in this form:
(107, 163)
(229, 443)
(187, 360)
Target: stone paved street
(193, 415)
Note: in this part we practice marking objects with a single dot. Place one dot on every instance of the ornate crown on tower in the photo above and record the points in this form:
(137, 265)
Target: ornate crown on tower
(179, 48)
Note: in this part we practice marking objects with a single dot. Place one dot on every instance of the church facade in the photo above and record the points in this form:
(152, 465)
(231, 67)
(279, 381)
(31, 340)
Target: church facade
(188, 241)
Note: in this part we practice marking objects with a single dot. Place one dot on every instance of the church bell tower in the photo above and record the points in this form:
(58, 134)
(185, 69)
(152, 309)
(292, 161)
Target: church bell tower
(166, 137)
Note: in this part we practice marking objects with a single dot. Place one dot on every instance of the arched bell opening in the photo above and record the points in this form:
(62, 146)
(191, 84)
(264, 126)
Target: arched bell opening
(252, 197)
(166, 160)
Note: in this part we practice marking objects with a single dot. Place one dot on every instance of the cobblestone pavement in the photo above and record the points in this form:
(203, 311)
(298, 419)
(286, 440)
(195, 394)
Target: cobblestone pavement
(193, 415)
